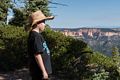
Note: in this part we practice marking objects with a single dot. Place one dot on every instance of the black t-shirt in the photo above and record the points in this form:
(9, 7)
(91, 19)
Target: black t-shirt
(37, 45)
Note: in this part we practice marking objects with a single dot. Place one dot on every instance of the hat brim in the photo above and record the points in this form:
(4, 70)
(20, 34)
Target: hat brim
(46, 18)
(49, 18)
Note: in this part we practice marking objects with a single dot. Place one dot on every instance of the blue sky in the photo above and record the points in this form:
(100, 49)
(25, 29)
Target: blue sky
(85, 13)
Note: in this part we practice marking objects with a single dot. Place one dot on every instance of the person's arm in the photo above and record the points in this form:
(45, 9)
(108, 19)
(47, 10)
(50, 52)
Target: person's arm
(40, 63)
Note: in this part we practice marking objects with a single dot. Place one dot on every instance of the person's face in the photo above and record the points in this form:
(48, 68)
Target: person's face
(41, 25)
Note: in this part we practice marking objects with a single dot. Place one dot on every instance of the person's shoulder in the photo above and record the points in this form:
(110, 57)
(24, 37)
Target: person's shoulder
(36, 34)
(33, 33)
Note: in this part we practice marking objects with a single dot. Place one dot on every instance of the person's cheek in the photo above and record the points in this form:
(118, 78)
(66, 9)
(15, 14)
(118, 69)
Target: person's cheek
(44, 25)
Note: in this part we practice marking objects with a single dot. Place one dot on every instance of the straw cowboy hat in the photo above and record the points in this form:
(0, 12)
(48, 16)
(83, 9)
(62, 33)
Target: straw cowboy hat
(38, 16)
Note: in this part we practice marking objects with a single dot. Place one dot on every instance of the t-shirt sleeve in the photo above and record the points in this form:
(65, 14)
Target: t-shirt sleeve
(37, 45)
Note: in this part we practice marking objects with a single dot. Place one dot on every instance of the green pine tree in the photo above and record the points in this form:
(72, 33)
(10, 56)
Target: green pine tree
(4, 5)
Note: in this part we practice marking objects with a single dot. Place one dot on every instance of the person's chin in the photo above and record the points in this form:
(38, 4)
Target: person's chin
(42, 30)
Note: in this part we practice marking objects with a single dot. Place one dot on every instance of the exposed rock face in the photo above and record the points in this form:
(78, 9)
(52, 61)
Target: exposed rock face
(100, 39)
(92, 32)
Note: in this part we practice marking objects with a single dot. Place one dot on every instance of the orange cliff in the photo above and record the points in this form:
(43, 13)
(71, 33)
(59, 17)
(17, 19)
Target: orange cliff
(90, 32)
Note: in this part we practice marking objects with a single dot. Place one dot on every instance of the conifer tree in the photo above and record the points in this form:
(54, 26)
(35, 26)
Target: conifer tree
(21, 14)
(4, 5)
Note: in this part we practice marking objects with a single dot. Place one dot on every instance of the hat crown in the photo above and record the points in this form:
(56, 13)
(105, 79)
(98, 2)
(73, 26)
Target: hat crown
(37, 15)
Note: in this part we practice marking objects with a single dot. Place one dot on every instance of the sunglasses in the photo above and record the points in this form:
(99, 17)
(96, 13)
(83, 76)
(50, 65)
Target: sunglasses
(43, 21)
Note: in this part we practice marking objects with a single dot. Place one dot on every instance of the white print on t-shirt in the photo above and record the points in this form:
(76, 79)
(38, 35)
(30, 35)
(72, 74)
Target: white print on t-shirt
(46, 48)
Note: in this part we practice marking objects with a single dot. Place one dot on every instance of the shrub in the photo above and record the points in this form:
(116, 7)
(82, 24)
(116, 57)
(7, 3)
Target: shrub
(13, 48)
